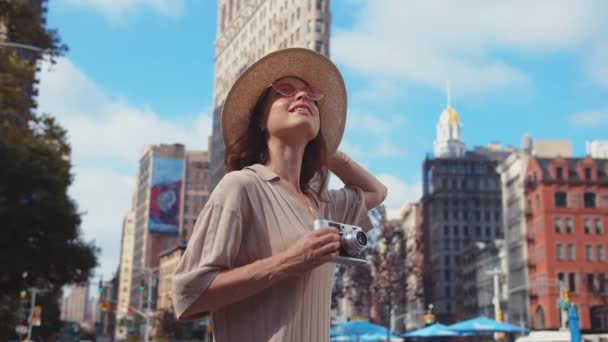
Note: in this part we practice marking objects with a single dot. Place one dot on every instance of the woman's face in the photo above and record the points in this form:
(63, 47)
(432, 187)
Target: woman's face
(290, 117)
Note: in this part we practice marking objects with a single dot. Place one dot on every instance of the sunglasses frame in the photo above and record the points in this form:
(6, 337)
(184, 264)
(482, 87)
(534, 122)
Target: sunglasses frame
(312, 93)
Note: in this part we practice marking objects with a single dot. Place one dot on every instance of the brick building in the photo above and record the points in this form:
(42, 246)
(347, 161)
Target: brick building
(566, 218)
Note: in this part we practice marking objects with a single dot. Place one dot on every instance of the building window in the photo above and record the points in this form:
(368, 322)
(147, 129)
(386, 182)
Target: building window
(587, 225)
(590, 282)
(298, 34)
(456, 231)
(588, 173)
(588, 253)
(319, 25)
(559, 253)
(570, 251)
(446, 244)
(557, 223)
(560, 278)
(537, 200)
(559, 172)
(569, 225)
(465, 231)
(561, 199)
(589, 200)
(572, 282)
(445, 230)
(598, 226)
(600, 253)
(298, 13)
(318, 46)
(319, 5)
(601, 282)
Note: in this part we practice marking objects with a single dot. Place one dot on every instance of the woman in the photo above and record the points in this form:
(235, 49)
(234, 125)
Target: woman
(254, 260)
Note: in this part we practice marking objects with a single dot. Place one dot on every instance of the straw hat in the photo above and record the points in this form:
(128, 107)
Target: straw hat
(312, 67)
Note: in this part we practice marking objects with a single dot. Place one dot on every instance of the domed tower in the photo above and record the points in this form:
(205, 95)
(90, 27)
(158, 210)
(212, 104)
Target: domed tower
(448, 143)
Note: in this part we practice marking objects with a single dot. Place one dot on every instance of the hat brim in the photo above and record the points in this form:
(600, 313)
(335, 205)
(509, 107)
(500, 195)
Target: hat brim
(310, 66)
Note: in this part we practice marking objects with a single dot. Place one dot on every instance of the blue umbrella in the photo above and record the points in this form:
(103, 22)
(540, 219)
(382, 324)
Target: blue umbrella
(573, 324)
(484, 325)
(375, 337)
(359, 328)
(434, 330)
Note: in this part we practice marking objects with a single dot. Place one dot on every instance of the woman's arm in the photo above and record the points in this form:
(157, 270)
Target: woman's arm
(351, 173)
(231, 286)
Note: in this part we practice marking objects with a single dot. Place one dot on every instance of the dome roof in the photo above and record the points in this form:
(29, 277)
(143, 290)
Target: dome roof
(449, 116)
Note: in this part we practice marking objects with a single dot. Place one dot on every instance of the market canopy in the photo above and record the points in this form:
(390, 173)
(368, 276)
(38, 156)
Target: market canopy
(434, 330)
(484, 324)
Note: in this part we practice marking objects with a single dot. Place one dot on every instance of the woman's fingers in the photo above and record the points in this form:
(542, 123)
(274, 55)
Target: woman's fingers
(328, 248)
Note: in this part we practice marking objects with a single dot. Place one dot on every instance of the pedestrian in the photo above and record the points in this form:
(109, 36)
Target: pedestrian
(254, 261)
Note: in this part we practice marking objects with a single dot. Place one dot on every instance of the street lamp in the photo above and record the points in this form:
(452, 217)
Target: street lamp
(23, 46)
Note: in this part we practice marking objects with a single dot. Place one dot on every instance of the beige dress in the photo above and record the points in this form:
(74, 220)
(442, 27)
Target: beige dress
(252, 215)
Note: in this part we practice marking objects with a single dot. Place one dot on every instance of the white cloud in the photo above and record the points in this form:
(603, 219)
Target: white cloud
(117, 9)
(590, 119)
(399, 192)
(107, 136)
(433, 41)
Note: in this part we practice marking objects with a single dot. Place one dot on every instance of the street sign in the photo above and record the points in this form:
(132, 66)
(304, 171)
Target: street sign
(21, 329)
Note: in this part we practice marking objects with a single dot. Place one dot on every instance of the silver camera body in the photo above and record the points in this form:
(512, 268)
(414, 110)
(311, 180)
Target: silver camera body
(353, 241)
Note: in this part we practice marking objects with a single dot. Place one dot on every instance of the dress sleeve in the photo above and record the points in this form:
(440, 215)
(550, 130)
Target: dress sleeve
(347, 205)
(213, 246)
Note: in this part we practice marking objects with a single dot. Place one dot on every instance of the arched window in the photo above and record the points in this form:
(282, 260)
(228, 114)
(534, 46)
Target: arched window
(539, 318)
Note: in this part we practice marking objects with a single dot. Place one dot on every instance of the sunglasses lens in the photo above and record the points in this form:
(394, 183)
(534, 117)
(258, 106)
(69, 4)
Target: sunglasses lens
(284, 89)
(313, 93)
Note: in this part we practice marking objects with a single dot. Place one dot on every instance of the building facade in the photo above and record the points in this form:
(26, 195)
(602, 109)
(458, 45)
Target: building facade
(476, 289)
(171, 191)
(513, 172)
(168, 263)
(249, 29)
(461, 204)
(566, 217)
(597, 148)
(410, 222)
(125, 281)
(74, 307)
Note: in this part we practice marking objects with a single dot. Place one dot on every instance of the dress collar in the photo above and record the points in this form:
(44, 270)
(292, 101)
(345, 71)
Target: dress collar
(264, 172)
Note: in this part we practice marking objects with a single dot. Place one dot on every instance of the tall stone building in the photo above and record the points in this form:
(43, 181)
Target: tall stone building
(410, 222)
(512, 176)
(125, 281)
(461, 204)
(171, 191)
(249, 29)
(196, 180)
(74, 307)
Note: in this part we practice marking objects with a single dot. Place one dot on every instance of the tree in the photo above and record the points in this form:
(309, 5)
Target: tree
(389, 271)
(40, 221)
(355, 282)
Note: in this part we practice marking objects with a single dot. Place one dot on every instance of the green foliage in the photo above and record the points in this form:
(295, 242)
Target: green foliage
(40, 221)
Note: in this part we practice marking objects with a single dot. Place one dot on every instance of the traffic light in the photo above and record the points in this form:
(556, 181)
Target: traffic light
(100, 287)
(142, 285)
(36, 319)
(499, 316)
(429, 319)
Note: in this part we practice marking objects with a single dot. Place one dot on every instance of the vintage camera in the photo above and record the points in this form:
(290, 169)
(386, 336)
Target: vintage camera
(353, 241)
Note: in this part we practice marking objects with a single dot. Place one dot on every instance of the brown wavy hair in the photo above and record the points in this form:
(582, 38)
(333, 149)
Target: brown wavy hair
(252, 148)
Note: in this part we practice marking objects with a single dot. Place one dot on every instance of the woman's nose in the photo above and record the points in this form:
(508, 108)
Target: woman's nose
(301, 94)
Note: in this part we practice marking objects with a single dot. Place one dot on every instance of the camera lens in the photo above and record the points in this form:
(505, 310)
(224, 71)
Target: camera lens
(361, 238)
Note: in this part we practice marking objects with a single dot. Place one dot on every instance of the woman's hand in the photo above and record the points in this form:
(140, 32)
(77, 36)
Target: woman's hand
(351, 173)
(311, 250)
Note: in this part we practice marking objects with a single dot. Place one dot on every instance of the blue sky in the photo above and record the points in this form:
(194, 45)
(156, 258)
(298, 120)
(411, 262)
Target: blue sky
(141, 72)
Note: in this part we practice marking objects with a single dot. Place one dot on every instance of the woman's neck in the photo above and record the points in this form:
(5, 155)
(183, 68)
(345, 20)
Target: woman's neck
(285, 160)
